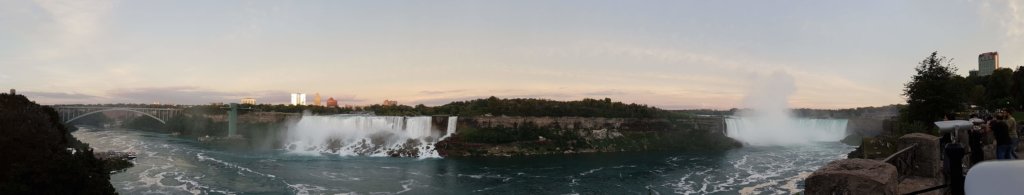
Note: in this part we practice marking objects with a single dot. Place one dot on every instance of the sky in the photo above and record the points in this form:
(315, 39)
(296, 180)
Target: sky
(669, 54)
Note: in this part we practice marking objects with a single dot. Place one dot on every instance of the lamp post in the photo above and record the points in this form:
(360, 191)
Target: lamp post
(233, 119)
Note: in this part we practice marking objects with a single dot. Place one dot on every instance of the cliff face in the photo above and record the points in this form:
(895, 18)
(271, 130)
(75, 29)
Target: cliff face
(708, 124)
(865, 126)
(513, 136)
(39, 156)
(256, 117)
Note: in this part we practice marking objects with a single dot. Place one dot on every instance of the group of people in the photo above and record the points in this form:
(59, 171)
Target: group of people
(1000, 127)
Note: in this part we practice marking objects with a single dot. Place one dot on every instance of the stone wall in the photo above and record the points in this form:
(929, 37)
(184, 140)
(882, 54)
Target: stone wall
(926, 161)
(914, 169)
(853, 176)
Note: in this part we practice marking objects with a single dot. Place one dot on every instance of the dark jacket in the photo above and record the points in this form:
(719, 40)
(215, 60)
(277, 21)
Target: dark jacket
(1002, 133)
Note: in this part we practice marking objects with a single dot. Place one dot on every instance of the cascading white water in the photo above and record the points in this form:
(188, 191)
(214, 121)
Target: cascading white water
(363, 135)
(755, 131)
(768, 119)
(451, 127)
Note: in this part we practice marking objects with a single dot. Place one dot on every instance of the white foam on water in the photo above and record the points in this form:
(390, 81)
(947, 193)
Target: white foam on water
(479, 176)
(751, 170)
(791, 183)
(339, 176)
(364, 135)
(241, 170)
(305, 189)
(591, 171)
(406, 186)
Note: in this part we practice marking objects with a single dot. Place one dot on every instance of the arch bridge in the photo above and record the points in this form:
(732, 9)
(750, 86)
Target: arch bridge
(69, 114)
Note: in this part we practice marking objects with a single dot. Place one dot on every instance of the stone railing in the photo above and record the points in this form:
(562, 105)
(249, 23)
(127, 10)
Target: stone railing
(914, 167)
(903, 160)
(921, 161)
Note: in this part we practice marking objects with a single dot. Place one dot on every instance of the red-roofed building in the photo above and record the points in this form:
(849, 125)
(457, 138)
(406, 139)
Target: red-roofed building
(331, 102)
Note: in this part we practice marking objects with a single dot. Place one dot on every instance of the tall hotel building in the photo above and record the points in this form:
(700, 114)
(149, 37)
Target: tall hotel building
(298, 99)
(987, 63)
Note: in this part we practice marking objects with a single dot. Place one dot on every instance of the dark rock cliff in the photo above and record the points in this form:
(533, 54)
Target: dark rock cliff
(39, 156)
(515, 136)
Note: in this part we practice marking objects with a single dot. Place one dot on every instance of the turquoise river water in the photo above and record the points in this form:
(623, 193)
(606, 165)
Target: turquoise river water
(168, 164)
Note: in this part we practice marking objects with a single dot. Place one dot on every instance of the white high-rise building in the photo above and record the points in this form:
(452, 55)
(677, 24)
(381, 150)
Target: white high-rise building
(987, 63)
(298, 99)
(250, 101)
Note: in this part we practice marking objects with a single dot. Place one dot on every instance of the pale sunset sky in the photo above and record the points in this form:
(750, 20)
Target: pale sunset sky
(670, 54)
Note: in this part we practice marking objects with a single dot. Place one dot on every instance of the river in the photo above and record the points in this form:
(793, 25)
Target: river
(175, 165)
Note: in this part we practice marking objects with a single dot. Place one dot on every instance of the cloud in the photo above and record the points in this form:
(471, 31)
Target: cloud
(76, 17)
(58, 95)
(182, 95)
(439, 92)
(76, 22)
(1014, 22)
(44, 97)
(644, 53)
(711, 79)
(1008, 14)
(193, 95)
(605, 93)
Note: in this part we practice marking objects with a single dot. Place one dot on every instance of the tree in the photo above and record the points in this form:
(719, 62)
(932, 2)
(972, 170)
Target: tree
(1018, 84)
(934, 90)
(976, 95)
(999, 89)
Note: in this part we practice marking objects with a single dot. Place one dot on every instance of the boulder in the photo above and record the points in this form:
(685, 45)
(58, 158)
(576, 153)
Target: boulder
(854, 139)
(853, 176)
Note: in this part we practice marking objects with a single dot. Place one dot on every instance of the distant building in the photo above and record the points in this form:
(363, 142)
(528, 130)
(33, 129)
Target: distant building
(298, 99)
(250, 101)
(972, 73)
(331, 102)
(316, 99)
(987, 63)
(390, 103)
(12, 92)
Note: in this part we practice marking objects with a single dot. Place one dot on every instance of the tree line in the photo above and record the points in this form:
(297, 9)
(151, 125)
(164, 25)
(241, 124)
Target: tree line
(480, 107)
(936, 90)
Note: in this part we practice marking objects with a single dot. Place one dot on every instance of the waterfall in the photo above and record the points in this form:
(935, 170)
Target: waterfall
(788, 131)
(364, 135)
(451, 127)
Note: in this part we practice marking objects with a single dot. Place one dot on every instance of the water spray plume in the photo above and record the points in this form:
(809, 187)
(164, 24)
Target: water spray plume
(768, 120)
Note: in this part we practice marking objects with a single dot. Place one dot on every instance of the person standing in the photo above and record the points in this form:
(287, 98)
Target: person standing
(1001, 132)
(1014, 139)
(975, 137)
